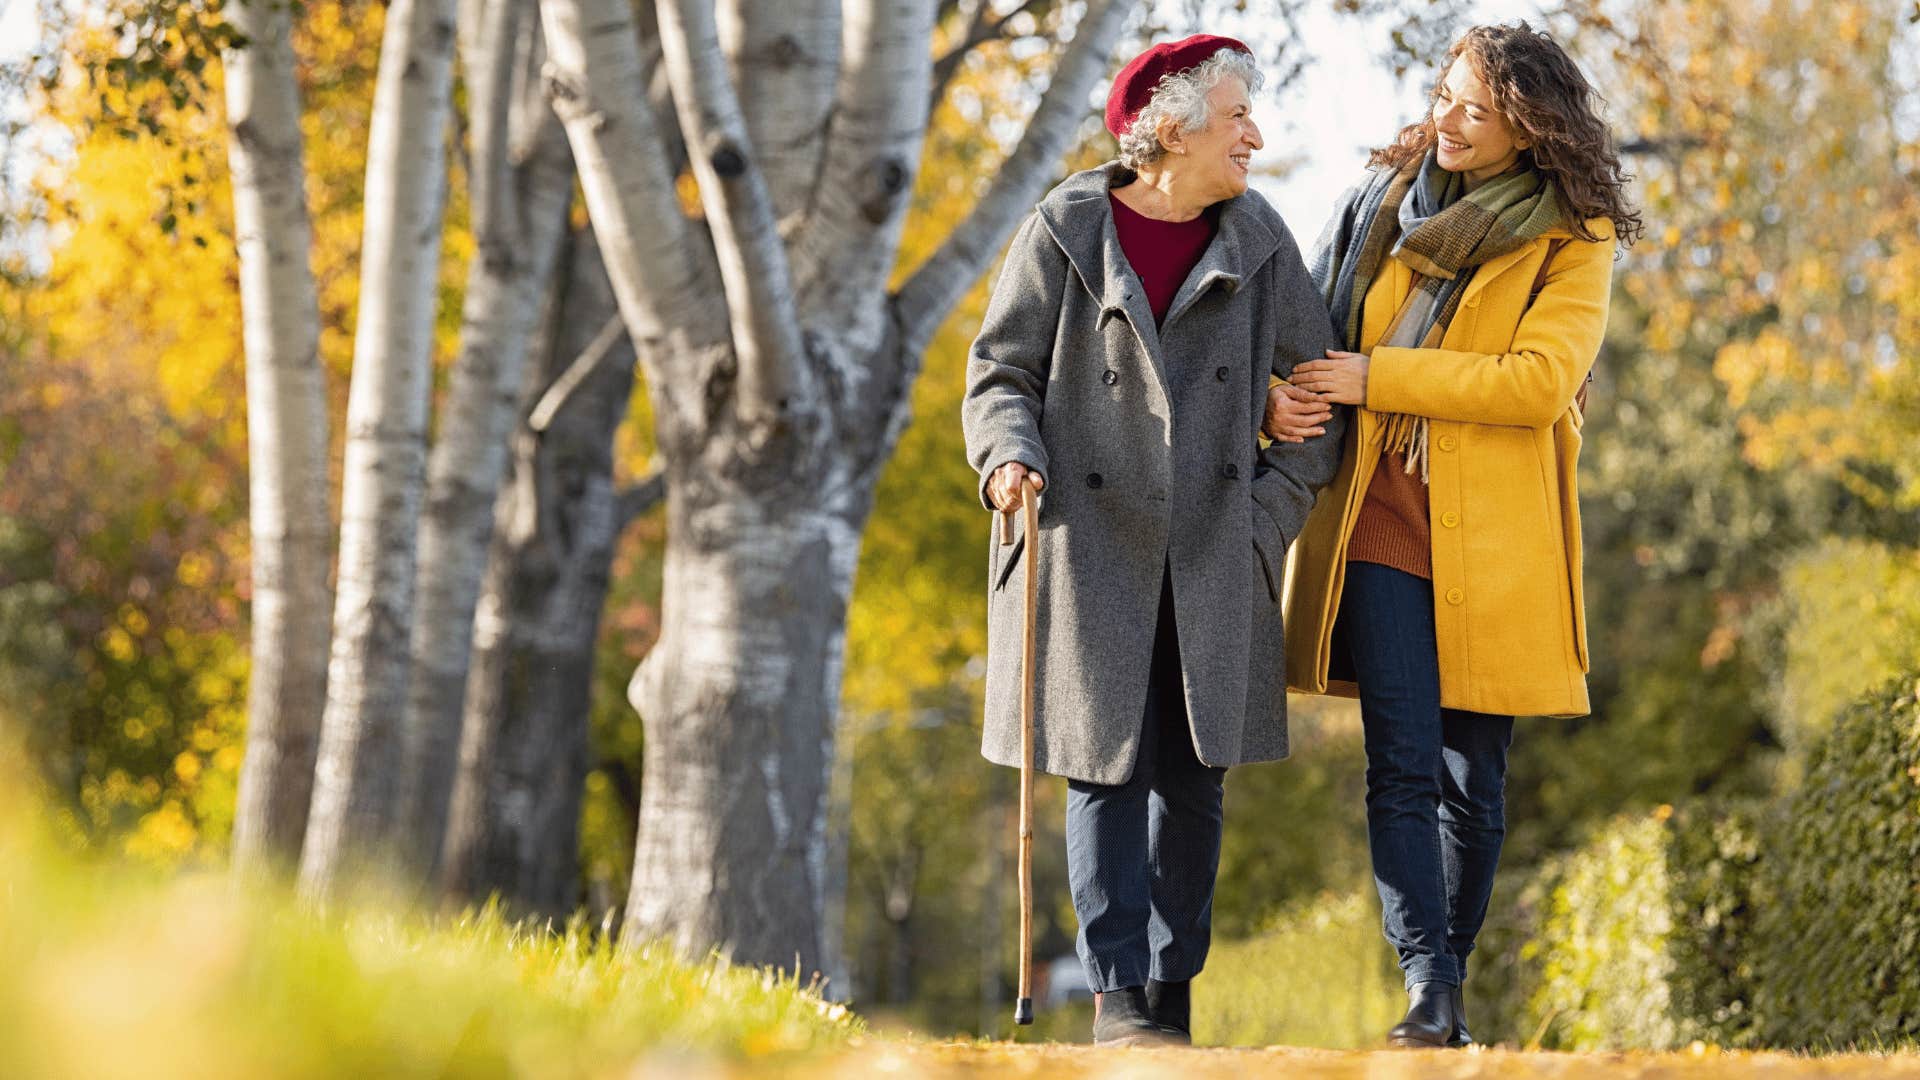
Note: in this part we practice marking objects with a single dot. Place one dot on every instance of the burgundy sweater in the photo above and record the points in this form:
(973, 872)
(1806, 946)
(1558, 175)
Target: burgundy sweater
(1162, 253)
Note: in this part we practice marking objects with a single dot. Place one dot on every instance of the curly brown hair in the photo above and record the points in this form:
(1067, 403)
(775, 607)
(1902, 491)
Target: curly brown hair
(1541, 92)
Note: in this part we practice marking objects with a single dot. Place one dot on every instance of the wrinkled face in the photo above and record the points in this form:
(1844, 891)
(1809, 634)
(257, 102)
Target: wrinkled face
(1474, 137)
(1220, 155)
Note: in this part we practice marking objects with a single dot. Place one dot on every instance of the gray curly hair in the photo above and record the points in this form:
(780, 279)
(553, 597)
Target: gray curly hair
(1182, 98)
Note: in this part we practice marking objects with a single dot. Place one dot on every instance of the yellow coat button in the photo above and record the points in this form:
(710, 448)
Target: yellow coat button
(1456, 596)
(1447, 443)
(1450, 519)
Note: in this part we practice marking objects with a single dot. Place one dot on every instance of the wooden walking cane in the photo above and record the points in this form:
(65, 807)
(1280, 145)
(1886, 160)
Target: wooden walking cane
(1023, 1008)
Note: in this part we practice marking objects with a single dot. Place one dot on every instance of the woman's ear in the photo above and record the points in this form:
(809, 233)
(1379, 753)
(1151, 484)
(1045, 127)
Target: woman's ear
(1170, 136)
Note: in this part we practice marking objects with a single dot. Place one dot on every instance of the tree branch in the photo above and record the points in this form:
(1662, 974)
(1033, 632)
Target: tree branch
(775, 374)
(564, 389)
(597, 79)
(939, 283)
(784, 60)
(980, 30)
(844, 255)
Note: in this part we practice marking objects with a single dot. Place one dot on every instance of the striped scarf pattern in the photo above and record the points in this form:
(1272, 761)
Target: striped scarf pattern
(1424, 216)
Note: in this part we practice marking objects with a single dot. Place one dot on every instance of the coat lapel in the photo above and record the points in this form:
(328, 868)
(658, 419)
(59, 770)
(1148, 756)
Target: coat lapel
(1239, 247)
(1493, 268)
(1081, 220)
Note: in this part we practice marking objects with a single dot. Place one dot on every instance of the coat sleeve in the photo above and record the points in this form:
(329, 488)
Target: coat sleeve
(1287, 476)
(1009, 362)
(1553, 349)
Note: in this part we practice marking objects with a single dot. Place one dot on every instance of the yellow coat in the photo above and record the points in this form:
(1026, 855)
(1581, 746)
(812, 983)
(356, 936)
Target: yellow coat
(1504, 445)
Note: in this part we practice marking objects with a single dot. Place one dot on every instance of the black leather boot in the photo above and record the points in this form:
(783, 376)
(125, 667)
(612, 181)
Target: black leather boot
(1121, 1018)
(1461, 1037)
(1429, 1021)
(1170, 1004)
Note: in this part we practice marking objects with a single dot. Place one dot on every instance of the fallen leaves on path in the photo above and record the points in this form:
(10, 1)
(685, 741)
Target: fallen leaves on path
(883, 1060)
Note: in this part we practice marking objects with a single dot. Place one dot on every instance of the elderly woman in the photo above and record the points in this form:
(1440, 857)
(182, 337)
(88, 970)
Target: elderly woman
(1121, 370)
(1439, 579)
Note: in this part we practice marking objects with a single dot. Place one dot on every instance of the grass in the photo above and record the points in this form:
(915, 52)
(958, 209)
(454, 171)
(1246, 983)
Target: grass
(111, 970)
(1318, 975)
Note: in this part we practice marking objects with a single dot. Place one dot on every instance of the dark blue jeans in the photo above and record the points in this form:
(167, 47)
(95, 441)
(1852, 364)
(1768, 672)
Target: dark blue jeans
(1436, 778)
(1141, 856)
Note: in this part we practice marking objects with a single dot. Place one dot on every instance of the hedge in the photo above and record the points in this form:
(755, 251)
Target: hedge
(1794, 923)
(1840, 955)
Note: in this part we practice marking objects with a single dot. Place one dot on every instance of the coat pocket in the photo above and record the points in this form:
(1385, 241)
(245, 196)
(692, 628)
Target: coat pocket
(1271, 564)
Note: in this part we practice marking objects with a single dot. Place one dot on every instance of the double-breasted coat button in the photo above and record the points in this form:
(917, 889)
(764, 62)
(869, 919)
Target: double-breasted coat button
(1093, 480)
(1220, 373)
(1109, 377)
(1230, 471)
(1450, 519)
(1456, 596)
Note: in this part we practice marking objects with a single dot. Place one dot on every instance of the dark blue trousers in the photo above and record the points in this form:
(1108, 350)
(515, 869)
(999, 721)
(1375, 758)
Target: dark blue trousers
(1436, 778)
(1141, 856)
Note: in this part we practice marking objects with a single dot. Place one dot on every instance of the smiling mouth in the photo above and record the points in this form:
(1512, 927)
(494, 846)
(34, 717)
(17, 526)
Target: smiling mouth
(1244, 161)
(1452, 145)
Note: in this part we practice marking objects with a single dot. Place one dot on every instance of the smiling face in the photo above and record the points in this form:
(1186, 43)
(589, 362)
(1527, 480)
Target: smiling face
(1216, 160)
(1472, 137)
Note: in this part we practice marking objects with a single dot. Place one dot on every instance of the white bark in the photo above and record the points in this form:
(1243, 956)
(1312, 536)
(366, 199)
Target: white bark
(286, 438)
(775, 374)
(740, 695)
(523, 754)
(663, 271)
(356, 781)
(844, 255)
(784, 61)
(522, 190)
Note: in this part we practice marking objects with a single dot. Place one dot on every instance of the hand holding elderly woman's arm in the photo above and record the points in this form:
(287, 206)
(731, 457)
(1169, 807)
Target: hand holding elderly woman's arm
(1340, 378)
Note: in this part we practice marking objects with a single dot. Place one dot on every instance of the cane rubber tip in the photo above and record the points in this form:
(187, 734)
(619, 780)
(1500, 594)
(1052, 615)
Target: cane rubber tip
(1023, 1011)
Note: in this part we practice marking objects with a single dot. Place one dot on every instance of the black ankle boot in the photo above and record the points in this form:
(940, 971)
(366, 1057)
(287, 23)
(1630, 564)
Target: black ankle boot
(1170, 1005)
(1461, 1037)
(1429, 1021)
(1121, 1018)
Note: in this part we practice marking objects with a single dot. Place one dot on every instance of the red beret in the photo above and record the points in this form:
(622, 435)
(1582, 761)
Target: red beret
(1135, 84)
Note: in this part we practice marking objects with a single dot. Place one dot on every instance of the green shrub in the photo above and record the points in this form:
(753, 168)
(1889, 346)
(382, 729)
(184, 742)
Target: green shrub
(1840, 961)
(1849, 617)
(1639, 939)
(1320, 974)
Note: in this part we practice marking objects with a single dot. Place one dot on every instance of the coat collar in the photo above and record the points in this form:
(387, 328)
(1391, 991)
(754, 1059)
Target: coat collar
(1080, 218)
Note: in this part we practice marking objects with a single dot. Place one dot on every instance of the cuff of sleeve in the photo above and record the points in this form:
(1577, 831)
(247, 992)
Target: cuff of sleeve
(1386, 382)
(1033, 457)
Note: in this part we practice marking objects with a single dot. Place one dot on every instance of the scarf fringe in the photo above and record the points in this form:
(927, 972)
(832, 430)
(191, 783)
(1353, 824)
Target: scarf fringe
(1407, 435)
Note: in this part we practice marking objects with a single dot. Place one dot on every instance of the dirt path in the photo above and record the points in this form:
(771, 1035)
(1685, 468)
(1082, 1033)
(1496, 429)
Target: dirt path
(884, 1059)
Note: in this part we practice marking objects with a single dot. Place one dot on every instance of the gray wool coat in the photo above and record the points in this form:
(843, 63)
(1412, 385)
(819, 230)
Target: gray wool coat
(1147, 440)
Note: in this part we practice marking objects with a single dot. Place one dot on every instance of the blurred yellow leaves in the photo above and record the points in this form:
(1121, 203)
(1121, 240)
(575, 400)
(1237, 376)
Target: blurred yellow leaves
(1784, 230)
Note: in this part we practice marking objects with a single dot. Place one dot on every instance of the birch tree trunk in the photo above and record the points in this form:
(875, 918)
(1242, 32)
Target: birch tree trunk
(357, 777)
(523, 756)
(522, 188)
(779, 365)
(287, 438)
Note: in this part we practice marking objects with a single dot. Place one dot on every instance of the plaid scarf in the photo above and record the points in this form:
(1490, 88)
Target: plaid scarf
(1424, 216)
